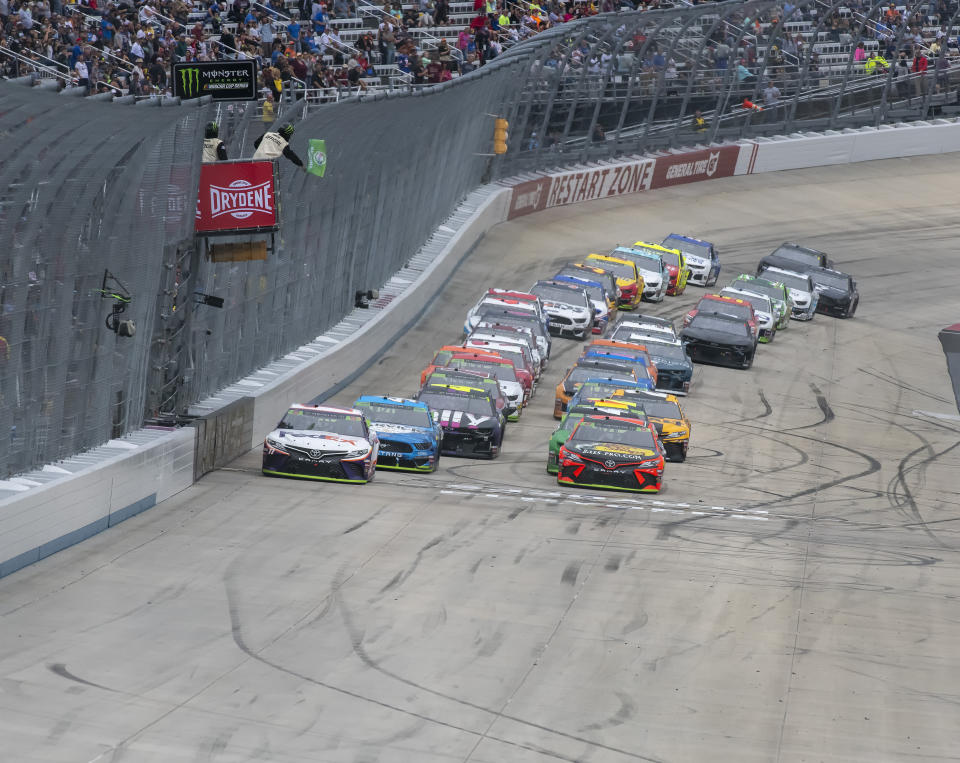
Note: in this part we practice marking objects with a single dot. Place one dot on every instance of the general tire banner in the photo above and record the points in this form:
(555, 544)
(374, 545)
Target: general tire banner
(223, 80)
(694, 166)
(620, 179)
(236, 197)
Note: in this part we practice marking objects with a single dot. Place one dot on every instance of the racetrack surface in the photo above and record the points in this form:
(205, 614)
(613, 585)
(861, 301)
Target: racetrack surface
(790, 596)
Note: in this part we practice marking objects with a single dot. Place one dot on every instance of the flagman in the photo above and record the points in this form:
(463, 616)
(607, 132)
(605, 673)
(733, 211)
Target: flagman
(273, 145)
(213, 148)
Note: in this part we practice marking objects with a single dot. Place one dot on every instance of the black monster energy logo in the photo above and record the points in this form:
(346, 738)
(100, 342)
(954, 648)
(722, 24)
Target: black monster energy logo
(190, 81)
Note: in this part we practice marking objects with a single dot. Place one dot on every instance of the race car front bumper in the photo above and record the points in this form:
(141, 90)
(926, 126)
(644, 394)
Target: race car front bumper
(327, 468)
(469, 442)
(628, 477)
(407, 457)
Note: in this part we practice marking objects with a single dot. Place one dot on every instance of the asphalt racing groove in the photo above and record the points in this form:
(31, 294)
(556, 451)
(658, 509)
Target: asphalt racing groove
(791, 595)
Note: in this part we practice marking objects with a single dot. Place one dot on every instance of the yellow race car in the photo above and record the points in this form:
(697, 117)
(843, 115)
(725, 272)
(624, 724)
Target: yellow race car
(629, 281)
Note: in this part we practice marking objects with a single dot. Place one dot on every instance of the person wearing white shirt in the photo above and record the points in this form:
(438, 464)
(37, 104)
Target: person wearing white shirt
(136, 50)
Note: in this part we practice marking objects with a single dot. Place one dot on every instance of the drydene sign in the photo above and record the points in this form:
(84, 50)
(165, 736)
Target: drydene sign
(237, 196)
(224, 80)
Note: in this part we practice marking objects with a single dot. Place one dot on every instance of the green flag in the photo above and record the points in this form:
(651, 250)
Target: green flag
(317, 158)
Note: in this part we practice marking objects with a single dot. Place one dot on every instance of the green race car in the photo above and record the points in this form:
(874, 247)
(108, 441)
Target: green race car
(778, 293)
(573, 417)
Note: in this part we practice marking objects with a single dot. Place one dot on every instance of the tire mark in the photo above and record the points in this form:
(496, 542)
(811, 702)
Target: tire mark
(570, 573)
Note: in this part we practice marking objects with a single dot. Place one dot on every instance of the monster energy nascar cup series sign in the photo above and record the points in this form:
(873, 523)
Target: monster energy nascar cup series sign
(224, 80)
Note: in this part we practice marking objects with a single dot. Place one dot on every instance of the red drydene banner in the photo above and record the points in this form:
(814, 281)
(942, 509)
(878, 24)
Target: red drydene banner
(236, 197)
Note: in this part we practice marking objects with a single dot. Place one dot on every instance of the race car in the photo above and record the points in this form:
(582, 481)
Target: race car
(628, 349)
(629, 281)
(472, 379)
(724, 305)
(838, 294)
(646, 325)
(720, 339)
(777, 293)
(676, 263)
(608, 279)
(500, 369)
(513, 331)
(512, 317)
(409, 438)
(514, 300)
(577, 414)
(597, 296)
(701, 256)
(447, 353)
(568, 307)
(803, 296)
(615, 453)
(664, 411)
(790, 255)
(469, 422)
(321, 443)
(674, 369)
(639, 363)
(763, 309)
(579, 374)
(656, 274)
(511, 348)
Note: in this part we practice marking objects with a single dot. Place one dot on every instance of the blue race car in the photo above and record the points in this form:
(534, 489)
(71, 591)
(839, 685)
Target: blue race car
(409, 438)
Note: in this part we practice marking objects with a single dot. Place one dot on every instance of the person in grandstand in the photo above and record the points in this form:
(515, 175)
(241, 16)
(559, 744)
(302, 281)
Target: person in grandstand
(213, 148)
(272, 145)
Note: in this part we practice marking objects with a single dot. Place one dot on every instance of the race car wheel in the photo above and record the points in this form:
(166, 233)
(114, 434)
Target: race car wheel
(747, 362)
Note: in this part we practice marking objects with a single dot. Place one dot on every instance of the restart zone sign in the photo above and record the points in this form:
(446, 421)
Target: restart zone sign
(224, 80)
(237, 197)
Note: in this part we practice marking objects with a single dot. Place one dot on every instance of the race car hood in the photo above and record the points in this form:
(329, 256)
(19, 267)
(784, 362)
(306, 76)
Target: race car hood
(612, 452)
(670, 364)
(401, 432)
(458, 420)
(324, 442)
(717, 337)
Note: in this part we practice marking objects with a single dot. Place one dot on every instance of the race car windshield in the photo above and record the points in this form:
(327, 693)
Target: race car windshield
(581, 374)
(742, 312)
(500, 371)
(758, 303)
(650, 260)
(835, 280)
(671, 258)
(668, 351)
(596, 431)
(306, 420)
(621, 269)
(713, 322)
(662, 409)
(797, 255)
(407, 415)
(593, 389)
(791, 281)
(591, 274)
(439, 401)
(555, 294)
(512, 319)
(774, 292)
(687, 247)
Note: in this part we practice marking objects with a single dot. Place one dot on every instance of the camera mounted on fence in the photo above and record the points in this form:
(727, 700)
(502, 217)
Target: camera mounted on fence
(111, 288)
(362, 298)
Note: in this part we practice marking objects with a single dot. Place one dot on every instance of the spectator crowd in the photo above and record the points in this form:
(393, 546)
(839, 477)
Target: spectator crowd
(128, 46)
